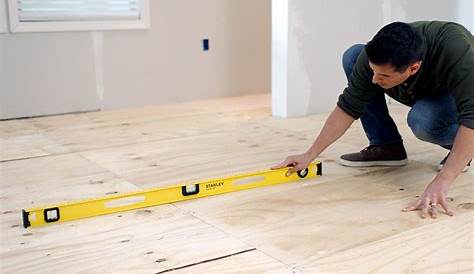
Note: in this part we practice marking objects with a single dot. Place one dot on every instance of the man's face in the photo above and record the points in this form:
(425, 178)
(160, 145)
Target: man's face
(387, 77)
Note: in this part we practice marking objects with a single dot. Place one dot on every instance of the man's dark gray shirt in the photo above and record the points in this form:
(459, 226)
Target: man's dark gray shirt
(447, 64)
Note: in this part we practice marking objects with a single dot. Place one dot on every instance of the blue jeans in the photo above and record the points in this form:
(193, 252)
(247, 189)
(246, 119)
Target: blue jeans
(432, 119)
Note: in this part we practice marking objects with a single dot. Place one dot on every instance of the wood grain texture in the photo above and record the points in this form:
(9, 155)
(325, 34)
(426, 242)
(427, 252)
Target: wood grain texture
(446, 246)
(21, 139)
(348, 221)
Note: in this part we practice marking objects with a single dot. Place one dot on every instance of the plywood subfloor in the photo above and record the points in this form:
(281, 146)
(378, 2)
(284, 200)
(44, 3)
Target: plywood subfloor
(347, 221)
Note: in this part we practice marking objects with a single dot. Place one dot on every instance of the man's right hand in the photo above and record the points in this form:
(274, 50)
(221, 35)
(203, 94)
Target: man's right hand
(296, 162)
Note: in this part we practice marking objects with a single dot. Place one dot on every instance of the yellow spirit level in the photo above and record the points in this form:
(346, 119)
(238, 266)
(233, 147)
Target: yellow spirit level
(121, 202)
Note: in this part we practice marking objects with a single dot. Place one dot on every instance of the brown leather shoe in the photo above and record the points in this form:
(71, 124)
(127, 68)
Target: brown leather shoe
(376, 155)
(441, 164)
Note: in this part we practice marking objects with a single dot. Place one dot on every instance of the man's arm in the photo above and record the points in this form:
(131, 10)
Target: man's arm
(435, 193)
(456, 63)
(461, 153)
(334, 127)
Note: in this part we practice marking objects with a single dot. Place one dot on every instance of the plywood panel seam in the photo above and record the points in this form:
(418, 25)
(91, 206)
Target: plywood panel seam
(232, 235)
(207, 261)
(32, 157)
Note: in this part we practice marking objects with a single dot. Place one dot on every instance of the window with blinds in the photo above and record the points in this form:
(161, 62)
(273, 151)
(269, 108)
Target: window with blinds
(44, 15)
(75, 10)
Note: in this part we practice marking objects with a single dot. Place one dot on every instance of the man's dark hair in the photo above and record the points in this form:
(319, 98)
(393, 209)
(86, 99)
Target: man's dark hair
(398, 44)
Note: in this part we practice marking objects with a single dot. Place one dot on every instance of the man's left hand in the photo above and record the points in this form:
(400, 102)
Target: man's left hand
(432, 198)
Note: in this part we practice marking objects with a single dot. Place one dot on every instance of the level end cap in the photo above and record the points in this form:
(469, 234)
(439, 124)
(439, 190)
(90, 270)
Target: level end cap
(26, 221)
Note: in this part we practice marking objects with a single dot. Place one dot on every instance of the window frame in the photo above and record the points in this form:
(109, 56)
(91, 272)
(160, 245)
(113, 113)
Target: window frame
(55, 26)
(3, 17)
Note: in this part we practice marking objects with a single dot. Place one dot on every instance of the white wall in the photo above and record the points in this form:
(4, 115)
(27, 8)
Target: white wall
(48, 73)
(319, 31)
(461, 11)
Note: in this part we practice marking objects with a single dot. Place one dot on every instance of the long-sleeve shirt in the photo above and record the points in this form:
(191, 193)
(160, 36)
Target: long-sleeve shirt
(447, 64)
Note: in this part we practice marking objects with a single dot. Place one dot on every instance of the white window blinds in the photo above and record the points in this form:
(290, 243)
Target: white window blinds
(77, 10)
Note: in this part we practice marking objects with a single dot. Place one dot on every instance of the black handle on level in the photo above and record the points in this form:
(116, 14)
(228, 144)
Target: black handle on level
(320, 168)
